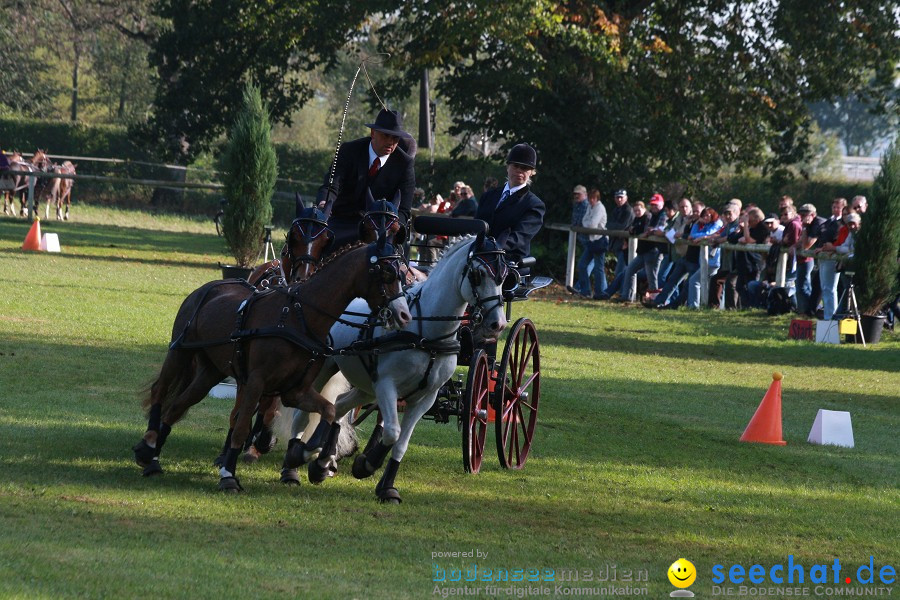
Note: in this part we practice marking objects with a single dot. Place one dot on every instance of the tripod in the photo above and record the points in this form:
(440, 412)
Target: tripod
(852, 308)
(267, 242)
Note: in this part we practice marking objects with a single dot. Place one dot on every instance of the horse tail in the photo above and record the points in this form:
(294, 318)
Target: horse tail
(176, 374)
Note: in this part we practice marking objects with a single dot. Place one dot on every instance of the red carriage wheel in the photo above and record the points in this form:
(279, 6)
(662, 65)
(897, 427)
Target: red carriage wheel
(517, 394)
(476, 403)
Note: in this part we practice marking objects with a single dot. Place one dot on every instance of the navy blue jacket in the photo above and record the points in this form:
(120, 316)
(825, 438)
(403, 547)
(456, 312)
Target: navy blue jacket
(515, 222)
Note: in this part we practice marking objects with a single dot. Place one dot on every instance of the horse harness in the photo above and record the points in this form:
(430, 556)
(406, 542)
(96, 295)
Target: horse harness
(368, 348)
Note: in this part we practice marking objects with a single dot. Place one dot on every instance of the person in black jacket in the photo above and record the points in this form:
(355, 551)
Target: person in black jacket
(513, 212)
(376, 164)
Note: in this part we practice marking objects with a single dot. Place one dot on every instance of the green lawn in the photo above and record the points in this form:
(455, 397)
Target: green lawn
(636, 459)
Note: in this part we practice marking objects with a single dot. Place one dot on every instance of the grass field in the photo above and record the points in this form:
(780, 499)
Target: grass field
(636, 459)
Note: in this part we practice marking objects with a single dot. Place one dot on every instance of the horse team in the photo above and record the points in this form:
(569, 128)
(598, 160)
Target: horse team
(290, 335)
(52, 190)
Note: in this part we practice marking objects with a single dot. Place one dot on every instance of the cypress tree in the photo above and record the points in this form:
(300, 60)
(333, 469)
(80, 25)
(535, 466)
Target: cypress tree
(878, 241)
(250, 167)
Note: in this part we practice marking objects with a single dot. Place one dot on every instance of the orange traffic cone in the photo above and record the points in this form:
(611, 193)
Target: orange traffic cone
(33, 239)
(765, 426)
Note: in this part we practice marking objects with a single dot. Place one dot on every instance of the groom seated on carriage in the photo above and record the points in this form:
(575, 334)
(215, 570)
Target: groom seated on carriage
(376, 167)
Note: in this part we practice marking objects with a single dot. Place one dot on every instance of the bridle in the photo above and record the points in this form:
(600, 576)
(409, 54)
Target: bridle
(493, 260)
(385, 264)
(308, 229)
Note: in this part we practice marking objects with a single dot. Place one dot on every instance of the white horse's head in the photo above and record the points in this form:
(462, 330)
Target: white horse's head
(485, 273)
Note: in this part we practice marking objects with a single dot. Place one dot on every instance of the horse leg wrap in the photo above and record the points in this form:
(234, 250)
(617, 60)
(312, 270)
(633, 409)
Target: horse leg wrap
(374, 439)
(154, 417)
(258, 426)
(230, 467)
(264, 441)
(318, 472)
(366, 464)
(164, 431)
(220, 459)
(385, 489)
(295, 455)
(317, 439)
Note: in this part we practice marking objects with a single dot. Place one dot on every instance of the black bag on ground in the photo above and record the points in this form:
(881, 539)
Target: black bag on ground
(778, 301)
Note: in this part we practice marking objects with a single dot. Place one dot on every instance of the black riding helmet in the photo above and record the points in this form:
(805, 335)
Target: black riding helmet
(522, 154)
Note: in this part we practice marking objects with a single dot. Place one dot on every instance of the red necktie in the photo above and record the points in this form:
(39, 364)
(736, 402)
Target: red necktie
(374, 168)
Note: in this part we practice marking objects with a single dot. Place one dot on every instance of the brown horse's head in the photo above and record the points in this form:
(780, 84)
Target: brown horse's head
(308, 240)
(41, 160)
(384, 288)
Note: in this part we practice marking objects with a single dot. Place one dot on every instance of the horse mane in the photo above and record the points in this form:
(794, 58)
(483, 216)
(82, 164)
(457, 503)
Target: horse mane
(448, 253)
(334, 256)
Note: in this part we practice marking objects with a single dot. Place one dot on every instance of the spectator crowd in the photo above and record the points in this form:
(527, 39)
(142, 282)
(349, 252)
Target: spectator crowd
(665, 272)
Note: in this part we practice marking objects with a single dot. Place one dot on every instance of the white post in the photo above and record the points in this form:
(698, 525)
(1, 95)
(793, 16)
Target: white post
(31, 211)
(632, 248)
(704, 275)
(570, 260)
(781, 267)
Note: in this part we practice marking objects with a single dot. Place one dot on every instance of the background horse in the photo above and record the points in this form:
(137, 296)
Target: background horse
(63, 190)
(19, 185)
(45, 188)
(277, 348)
(471, 273)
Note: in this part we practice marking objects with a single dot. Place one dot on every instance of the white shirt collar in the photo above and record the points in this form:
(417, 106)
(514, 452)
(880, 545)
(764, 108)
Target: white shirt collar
(372, 157)
(513, 190)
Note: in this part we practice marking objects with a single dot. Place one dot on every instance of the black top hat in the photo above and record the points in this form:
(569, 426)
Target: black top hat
(389, 122)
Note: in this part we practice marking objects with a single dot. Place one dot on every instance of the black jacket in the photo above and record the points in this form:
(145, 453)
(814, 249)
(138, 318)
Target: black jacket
(515, 222)
(620, 219)
(351, 180)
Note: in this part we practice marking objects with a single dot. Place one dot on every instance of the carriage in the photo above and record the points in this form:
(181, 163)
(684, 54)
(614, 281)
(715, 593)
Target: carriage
(498, 392)
(473, 272)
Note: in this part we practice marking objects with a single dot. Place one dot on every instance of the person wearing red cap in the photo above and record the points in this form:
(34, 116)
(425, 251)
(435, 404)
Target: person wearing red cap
(649, 254)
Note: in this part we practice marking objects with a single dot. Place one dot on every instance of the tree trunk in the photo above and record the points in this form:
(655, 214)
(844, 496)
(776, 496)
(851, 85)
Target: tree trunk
(75, 64)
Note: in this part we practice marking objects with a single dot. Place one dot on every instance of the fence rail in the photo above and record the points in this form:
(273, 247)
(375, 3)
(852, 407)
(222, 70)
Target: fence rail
(780, 270)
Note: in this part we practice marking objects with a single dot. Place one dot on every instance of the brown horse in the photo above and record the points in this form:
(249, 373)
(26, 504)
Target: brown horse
(63, 190)
(45, 188)
(18, 184)
(307, 240)
(277, 347)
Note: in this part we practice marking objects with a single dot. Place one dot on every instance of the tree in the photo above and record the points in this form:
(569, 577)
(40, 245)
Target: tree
(860, 126)
(210, 48)
(250, 168)
(878, 240)
(625, 92)
(25, 89)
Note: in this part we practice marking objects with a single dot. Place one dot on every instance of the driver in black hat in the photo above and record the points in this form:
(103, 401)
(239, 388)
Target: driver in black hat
(512, 211)
(377, 163)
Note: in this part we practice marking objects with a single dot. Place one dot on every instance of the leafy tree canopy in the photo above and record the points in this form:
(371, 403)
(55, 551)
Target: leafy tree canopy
(210, 48)
(629, 91)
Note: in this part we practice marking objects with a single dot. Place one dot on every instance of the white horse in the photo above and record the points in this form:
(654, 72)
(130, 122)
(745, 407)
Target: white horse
(412, 364)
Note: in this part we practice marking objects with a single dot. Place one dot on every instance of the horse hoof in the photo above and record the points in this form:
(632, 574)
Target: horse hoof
(362, 468)
(230, 485)
(317, 473)
(250, 456)
(152, 469)
(290, 477)
(389, 496)
(143, 454)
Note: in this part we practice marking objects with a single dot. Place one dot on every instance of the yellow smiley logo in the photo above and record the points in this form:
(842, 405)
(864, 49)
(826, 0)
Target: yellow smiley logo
(682, 573)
